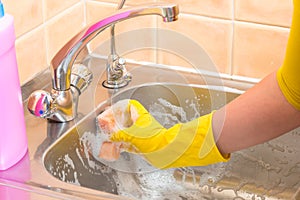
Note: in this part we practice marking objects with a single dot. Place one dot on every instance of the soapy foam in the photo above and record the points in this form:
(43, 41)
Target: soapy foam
(146, 183)
(202, 182)
(273, 173)
(151, 183)
(127, 162)
(66, 170)
(163, 111)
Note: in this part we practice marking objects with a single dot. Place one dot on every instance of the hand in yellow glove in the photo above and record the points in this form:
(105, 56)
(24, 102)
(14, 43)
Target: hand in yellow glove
(184, 144)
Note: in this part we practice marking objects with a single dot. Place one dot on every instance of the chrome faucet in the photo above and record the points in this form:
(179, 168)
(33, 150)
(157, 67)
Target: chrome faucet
(67, 85)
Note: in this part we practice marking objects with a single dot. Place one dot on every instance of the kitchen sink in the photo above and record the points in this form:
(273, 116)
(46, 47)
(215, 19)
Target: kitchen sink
(267, 171)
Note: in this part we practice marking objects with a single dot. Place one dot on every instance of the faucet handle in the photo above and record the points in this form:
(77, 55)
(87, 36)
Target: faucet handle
(39, 103)
(55, 106)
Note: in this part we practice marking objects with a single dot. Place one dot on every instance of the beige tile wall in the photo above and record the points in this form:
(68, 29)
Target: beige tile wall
(243, 37)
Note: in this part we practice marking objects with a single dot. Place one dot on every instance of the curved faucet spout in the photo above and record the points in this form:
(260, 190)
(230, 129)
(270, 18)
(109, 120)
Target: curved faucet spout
(61, 105)
(63, 61)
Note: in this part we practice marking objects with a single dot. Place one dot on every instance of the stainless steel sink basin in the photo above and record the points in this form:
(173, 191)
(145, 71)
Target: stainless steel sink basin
(69, 160)
(267, 171)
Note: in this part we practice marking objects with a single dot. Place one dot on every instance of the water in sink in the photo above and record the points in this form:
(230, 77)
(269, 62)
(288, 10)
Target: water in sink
(149, 182)
(267, 171)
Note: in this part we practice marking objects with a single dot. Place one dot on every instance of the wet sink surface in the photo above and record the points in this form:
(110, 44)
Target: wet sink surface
(267, 171)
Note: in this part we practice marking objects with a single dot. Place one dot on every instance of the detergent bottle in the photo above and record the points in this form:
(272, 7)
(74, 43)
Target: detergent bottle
(13, 139)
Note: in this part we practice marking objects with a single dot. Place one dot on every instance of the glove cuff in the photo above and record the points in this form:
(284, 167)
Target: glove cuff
(209, 152)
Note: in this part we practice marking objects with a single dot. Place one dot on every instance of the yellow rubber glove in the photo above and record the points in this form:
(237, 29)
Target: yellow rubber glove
(288, 75)
(185, 144)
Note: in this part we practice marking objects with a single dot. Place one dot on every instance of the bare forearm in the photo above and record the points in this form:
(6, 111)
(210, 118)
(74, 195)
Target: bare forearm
(260, 114)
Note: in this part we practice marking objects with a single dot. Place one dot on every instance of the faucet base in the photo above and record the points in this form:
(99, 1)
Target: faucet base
(114, 85)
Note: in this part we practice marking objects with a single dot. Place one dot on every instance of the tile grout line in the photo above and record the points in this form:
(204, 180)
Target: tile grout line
(84, 13)
(46, 41)
(232, 39)
(156, 56)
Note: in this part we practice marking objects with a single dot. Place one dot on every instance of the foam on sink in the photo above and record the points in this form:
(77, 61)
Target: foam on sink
(163, 111)
(127, 162)
(145, 181)
(274, 175)
(162, 184)
(65, 170)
